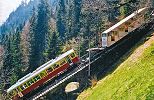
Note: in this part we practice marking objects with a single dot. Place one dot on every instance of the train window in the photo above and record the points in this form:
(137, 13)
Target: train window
(115, 33)
(25, 85)
(57, 65)
(30, 82)
(14, 92)
(54, 66)
(36, 78)
(11, 94)
(132, 19)
(127, 23)
(126, 30)
(110, 33)
(104, 35)
(72, 55)
(62, 62)
(121, 29)
(19, 89)
(22, 87)
(42, 74)
(49, 70)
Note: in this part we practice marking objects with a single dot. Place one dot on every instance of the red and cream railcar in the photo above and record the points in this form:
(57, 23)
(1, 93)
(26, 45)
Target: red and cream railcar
(42, 74)
(123, 27)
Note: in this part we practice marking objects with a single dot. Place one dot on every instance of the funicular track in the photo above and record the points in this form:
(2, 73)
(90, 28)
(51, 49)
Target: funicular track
(94, 57)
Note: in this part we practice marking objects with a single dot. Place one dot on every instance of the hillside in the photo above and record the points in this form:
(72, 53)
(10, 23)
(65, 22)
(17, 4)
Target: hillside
(41, 30)
(132, 80)
(21, 15)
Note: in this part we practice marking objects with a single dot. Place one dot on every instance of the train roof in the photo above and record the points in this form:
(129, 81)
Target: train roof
(38, 70)
(124, 20)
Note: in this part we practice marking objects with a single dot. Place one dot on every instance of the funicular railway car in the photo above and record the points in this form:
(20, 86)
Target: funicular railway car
(43, 74)
(122, 28)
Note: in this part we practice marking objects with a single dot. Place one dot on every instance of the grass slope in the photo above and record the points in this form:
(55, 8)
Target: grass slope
(132, 80)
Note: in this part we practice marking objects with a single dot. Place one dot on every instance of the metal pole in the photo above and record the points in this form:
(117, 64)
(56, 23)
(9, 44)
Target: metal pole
(89, 59)
(79, 44)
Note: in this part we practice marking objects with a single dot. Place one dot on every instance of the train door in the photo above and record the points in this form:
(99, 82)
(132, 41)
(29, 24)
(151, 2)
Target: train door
(112, 38)
(104, 40)
(126, 28)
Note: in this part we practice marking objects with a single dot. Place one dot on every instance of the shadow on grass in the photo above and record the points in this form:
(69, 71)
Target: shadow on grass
(111, 68)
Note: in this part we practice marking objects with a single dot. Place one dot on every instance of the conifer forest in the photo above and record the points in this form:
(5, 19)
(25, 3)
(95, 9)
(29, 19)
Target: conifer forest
(40, 30)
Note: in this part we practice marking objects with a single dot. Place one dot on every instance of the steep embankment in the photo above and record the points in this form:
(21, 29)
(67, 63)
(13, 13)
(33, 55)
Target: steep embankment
(132, 80)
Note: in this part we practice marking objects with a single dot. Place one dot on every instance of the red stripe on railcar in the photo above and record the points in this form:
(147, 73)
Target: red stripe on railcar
(46, 78)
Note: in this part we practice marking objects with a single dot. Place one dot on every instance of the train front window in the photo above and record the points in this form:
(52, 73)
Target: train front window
(72, 55)
(104, 35)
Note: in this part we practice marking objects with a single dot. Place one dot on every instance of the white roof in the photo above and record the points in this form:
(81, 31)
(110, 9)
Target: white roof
(94, 49)
(124, 20)
(38, 70)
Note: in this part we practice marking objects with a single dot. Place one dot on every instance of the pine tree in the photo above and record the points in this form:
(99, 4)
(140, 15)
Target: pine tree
(69, 18)
(73, 18)
(42, 30)
(12, 61)
(54, 47)
(39, 31)
(61, 21)
(32, 54)
(9, 74)
(76, 17)
(17, 53)
(128, 8)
